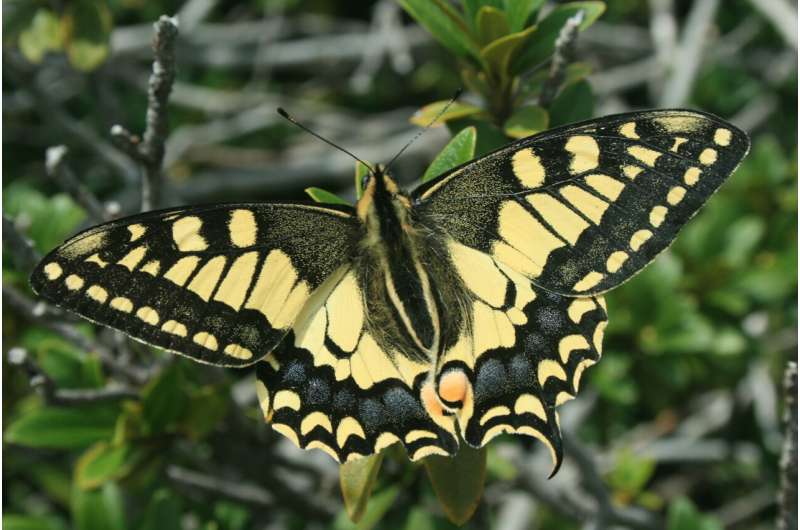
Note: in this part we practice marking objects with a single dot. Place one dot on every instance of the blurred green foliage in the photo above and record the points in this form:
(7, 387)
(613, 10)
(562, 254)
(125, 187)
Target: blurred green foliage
(707, 313)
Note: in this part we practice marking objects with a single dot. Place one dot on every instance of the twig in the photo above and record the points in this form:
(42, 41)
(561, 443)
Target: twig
(20, 246)
(563, 54)
(781, 15)
(689, 54)
(46, 316)
(55, 396)
(663, 33)
(51, 111)
(155, 133)
(607, 513)
(63, 175)
(149, 152)
(559, 493)
(388, 39)
(788, 495)
(250, 493)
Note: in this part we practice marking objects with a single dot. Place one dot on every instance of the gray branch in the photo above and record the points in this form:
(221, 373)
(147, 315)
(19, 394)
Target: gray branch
(149, 152)
(788, 495)
(20, 246)
(59, 171)
(689, 54)
(48, 317)
(782, 16)
(563, 55)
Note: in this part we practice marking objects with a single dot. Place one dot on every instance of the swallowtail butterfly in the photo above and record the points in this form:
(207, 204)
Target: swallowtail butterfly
(467, 308)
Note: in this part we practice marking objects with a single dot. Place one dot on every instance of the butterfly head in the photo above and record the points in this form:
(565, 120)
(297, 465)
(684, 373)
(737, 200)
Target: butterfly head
(380, 194)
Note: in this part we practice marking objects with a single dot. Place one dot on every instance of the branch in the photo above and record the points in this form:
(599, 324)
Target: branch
(788, 465)
(48, 317)
(149, 152)
(559, 493)
(607, 512)
(40, 381)
(63, 175)
(562, 56)
(52, 112)
(20, 246)
(781, 15)
(250, 493)
(688, 56)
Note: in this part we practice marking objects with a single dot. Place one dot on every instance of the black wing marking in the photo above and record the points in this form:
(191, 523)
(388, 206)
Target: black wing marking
(330, 386)
(221, 284)
(582, 208)
(521, 355)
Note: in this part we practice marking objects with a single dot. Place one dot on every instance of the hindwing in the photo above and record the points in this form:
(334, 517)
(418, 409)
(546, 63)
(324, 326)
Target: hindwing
(521, 354)
(580, 209)
(330, 385)
(222, 284)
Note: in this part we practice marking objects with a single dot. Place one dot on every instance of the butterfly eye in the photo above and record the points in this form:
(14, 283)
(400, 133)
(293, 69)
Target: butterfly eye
(365, 180)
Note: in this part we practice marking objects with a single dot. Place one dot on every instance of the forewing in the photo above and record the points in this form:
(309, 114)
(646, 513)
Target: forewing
(221, 284)
(330, 386)
(582, 208)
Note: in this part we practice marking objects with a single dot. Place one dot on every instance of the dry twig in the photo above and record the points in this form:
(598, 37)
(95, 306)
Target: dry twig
(149, 152)
(59, 171)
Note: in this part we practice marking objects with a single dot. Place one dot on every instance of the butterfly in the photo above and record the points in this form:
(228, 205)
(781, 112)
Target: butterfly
(467, 308)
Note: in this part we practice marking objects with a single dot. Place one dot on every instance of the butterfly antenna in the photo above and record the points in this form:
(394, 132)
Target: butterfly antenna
(420, 133)
(289, 118)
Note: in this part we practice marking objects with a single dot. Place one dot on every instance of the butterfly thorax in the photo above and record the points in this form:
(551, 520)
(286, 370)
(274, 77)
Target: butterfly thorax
(393, 245)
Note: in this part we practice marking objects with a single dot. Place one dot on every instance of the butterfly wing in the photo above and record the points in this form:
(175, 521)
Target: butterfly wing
(538, 230)
(521, 355)
(582, 208)
(221, 284)
(330, 385)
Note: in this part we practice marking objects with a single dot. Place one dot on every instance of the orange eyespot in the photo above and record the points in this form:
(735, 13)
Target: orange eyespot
(453, 386)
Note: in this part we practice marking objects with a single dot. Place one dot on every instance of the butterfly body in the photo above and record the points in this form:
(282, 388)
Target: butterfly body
(466, 309)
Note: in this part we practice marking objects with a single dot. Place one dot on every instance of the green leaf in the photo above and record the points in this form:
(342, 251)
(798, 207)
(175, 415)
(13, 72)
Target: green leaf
(104, 462)
(53, 480)
(20, 200)
(419, 519)
(444, 23)
(526, 121)
(356, 480)
(499, 54)
(207, 408)
(458, 481)
(424, 116)
(31, 522)
(498, 466)
(520, 11)
(489, 137)
(471, 8)
(631, 473)
(99, 509)
(324, 196)
(164, 399)
(682, 515)
(574, 103)
(460, 149)
(492, 24)
(41, 36)
(476, 81)
(541, 48)
(573, 73)
(163, 511)
(379, 504)
(360, 172)
(86, 26)
(62, 428)
(66, 365)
